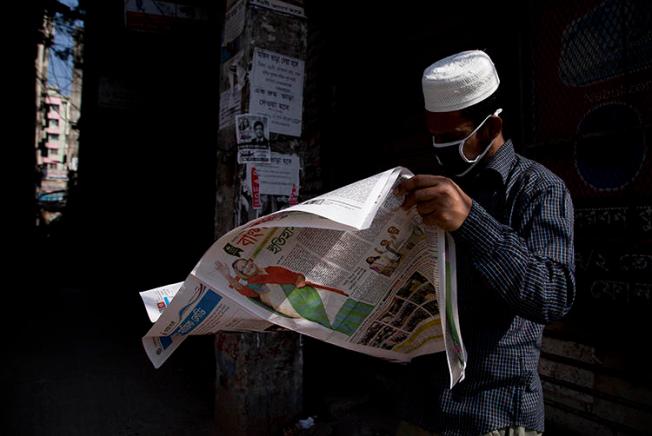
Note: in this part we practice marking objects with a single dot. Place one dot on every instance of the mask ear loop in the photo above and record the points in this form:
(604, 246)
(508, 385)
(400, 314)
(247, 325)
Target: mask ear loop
(481, 155)
(462, 141)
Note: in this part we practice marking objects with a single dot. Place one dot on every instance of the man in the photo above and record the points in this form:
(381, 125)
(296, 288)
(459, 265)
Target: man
(512, 221)
(259, 132)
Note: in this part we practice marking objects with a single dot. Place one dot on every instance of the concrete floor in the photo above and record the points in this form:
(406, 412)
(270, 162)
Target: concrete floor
(77, 367)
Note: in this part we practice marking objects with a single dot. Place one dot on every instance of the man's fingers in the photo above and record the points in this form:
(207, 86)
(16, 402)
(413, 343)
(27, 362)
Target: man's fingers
(410, 200)
(438, 200)
(428, 207)
(407, 185)
(429, 193)
(423, 195)
(417, 182)
(431, 220)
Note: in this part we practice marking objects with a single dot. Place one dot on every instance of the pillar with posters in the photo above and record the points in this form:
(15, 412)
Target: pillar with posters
(265, 153)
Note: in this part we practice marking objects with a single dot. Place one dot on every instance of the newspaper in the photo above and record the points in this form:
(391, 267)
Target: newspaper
(350, 267)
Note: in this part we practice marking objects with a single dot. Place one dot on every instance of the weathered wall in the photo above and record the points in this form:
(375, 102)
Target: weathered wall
(589, 121)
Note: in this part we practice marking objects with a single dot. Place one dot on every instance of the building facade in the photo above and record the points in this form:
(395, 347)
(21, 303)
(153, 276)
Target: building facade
(53, 143)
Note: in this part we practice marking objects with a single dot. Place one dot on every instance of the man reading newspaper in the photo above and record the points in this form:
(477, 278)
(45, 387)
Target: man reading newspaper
(512, 221)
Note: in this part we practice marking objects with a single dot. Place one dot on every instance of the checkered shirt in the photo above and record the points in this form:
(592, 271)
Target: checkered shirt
(515, 274)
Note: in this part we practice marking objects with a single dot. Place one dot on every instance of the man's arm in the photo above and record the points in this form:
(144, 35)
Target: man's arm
(532, 269)
(279, 274)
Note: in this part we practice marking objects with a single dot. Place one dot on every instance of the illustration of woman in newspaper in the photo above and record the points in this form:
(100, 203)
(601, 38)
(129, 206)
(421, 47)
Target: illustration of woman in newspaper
(289, 293)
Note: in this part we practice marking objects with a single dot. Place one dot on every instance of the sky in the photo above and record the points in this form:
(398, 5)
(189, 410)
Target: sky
(60, 71)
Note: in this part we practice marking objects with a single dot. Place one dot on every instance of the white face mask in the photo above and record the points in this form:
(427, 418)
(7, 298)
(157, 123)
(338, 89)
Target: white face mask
(450, 155)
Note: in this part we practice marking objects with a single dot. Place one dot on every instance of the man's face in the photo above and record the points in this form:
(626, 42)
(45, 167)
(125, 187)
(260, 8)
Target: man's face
(258, 129)
(246, 267)
(451, 126)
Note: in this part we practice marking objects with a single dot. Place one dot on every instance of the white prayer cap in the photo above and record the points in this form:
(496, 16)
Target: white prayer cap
(459, 81)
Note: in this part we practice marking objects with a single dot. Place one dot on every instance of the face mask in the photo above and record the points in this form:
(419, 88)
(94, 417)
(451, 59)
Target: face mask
(450, 155)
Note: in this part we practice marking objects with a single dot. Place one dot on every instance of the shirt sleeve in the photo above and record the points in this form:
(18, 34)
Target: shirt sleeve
(530, 266)
(277, 274)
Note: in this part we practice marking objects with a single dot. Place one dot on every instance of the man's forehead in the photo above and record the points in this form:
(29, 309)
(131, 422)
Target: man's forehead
(447, 122)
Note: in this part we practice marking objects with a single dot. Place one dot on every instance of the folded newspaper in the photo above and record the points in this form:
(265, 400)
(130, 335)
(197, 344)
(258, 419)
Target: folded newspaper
(350, 267)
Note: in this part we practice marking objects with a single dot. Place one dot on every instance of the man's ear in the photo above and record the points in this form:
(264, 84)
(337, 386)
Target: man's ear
(494, 126)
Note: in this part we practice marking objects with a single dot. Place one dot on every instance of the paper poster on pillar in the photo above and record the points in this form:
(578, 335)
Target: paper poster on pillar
(232, 81)
(159, 16)
(277, 91)
(278, 177)
(280, 6)
(229, 107)
(252, 137)
(234, 22)
(267, 187)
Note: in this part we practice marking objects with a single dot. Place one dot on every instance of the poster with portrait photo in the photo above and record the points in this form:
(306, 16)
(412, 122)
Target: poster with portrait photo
(252, 137)
(252, 129)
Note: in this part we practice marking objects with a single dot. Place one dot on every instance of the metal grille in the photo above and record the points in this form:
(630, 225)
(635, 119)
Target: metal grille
(612, 39)
(593, 59)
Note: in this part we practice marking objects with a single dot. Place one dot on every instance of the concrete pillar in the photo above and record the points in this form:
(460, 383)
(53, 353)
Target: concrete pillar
(259, 375)
(258, 382)
(286, 34)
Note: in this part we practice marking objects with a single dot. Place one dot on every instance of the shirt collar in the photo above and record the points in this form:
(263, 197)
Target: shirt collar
(502, 161)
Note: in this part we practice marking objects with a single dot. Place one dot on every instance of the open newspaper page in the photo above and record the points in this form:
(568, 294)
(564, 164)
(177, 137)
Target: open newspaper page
(191, 308)
(350, 267)
(455, 351)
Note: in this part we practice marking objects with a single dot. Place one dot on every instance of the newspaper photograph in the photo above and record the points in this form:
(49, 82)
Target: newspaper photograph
(350, 267)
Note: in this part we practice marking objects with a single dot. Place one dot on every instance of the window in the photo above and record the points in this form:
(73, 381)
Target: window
(53, 137)
(53, 123)
(54, 108)
(53, 152)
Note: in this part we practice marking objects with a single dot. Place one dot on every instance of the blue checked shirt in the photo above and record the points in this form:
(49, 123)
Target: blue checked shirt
(515, 274)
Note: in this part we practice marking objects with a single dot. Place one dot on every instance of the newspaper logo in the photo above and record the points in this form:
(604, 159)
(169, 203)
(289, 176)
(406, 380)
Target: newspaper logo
(276, 245)
(232, 250)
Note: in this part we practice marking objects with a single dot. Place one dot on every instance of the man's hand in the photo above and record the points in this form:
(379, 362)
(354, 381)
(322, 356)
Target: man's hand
(438, 199)
(300, 282)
